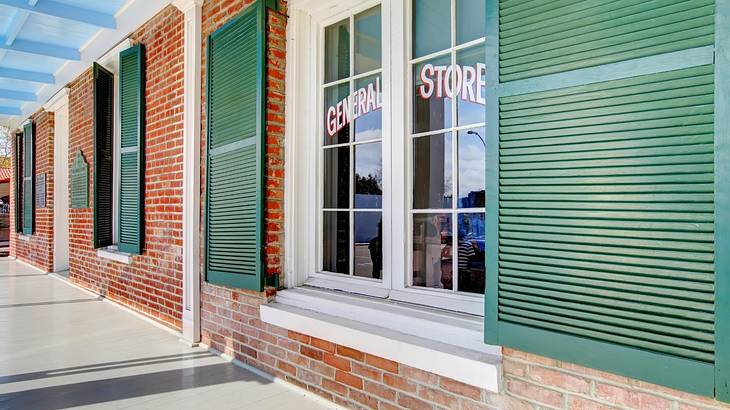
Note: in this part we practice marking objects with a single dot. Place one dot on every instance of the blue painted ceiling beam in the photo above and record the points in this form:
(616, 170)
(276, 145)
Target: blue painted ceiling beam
(60, 10)
(44, 49)
(17, 95)
(23, 75)
(10, 111)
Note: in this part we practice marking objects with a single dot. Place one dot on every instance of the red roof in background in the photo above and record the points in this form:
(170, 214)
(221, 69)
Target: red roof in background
(5, 174)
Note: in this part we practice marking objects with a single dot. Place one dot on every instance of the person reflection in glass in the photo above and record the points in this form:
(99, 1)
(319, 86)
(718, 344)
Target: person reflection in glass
(376, 252)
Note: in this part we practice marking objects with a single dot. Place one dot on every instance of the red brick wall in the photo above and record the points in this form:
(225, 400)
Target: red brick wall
(38, 251)
(152, 283)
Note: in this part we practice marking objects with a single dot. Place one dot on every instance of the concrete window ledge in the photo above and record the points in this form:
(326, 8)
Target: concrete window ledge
(112, 253)
(348, 320)
(24, 237)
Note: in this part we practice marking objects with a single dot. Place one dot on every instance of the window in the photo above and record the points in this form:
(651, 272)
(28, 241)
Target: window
(400, 159)
(447, 147)
(352, 151)
(119, 149)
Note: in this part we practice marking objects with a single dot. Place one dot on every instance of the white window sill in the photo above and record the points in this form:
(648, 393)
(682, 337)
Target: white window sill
(23, 237)
(445, 343)
(112, 253)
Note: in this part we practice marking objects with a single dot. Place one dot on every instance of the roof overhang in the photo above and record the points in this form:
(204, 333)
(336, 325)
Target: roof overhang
(45, 44)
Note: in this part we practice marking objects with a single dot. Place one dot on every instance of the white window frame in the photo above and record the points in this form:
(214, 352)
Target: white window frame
(303, 175)
(110, 61)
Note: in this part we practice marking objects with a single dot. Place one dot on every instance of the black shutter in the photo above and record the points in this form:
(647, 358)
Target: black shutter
(17, 200)
(28, 178)
(103, 155)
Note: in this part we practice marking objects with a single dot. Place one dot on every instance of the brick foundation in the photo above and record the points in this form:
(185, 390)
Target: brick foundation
(38, 251)
(152, 283)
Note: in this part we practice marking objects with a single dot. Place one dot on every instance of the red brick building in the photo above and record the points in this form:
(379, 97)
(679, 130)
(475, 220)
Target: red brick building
(403, 204)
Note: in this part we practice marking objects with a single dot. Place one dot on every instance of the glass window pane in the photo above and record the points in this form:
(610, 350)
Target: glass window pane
(337, 177)
(431, 103)
(432, 176)
(336, 242)
(472, 167)
(337, 51)
(336, 114)
(368, 175)
(368, 245)
(470, 253)
(432, 258)
(471, 85)
(431, 26)
(469, 20)
(368, 36)
(367, 108)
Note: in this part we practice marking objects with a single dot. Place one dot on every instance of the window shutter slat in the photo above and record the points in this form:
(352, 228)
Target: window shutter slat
(103, 155)
(131, 195)
(236, 90)
(603, 193)
(28, 178)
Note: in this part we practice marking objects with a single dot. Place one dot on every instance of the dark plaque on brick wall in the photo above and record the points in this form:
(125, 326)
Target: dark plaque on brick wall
(40, 190)
(79, 182)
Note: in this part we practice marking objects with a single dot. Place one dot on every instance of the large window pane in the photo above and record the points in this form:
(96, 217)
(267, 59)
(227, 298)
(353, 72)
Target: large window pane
(432, 259)
(336, 114)
(470, 252)
(336, 239)
(368, 41)
(337, 177)
(368, 175)
(471, 83)
(431, 104)
(431, 26)
(369, 102)
(368, 245)
(432, 175)
(472, 167)
(470, 19)
(337, 51)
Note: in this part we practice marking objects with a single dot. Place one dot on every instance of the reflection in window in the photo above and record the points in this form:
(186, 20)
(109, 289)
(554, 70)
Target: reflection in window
(472, 168)
(368, 32)
(431, 106)
(431, 26)
(471, 260)
(448, 149)
(368, 176)
(432, 181)
(369, 245)
(335, 237)
(352, 239)
(337, 51)
(432, 260)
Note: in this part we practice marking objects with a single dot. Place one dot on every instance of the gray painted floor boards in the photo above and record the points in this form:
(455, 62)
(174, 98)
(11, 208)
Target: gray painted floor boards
(63, 348)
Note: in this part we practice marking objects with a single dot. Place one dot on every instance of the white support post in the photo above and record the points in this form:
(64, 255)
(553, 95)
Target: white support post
(191, 170)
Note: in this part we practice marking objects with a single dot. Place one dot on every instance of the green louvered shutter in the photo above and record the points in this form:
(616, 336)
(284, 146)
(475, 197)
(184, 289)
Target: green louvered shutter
(131, 194)
(103, 155)
(18, 198)
(236, 90)
(28, 178)
(602, 186)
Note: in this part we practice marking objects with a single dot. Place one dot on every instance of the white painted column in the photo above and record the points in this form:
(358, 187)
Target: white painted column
(191, 169)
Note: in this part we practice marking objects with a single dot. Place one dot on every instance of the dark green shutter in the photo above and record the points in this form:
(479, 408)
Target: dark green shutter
(18, 199)
(28, 178)
(103, 155)
(131, 194)
(602, 193)
(234, 189)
